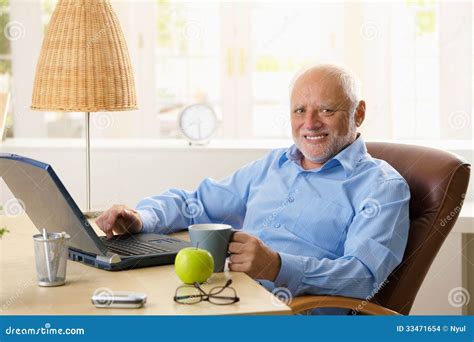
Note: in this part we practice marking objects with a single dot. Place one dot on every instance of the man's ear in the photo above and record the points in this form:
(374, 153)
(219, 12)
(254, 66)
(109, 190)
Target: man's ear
(360, 113)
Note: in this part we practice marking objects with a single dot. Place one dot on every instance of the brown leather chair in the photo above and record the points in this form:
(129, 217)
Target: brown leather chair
(438, 181)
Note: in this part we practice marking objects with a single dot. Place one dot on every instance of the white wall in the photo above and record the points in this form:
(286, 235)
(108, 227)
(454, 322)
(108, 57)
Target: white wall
(129, 170)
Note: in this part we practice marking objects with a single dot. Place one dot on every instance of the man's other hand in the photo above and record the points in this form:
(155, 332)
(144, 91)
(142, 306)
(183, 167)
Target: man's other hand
(252, 256)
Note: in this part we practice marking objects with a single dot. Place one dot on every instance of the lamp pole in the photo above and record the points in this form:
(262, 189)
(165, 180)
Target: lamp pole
(88, 164)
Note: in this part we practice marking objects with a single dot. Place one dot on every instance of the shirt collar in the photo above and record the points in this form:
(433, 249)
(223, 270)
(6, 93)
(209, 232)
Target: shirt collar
(347, 158)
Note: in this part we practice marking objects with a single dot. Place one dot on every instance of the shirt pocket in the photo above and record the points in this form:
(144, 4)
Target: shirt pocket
(322, 223)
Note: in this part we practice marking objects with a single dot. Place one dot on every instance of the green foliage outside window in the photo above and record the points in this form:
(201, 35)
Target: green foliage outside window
(5, 64)
(171, 23)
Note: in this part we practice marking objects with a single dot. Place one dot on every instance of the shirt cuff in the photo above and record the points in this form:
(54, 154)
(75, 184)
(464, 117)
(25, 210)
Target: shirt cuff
(291, 272)
(149, 220)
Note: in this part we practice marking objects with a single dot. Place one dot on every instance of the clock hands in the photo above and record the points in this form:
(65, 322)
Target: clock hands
(198, 123)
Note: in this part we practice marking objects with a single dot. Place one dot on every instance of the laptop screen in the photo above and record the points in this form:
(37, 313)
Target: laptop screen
(47, 202)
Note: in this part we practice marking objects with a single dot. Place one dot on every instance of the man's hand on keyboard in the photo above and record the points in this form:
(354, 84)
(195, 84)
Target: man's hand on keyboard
(119, 220)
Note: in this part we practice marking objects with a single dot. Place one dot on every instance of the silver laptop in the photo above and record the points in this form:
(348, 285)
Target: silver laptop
(49, 205)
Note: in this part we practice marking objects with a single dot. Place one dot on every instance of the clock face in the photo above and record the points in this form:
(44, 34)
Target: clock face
(198, 122)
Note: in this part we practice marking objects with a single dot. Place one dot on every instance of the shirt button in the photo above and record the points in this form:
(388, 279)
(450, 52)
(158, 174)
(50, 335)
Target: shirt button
(291, 199)
(276, 225)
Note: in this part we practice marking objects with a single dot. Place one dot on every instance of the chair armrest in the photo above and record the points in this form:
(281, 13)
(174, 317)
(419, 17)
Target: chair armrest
(303, 303)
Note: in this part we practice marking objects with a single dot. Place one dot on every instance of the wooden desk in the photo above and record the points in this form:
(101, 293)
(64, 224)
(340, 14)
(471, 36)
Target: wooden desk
(19, 294)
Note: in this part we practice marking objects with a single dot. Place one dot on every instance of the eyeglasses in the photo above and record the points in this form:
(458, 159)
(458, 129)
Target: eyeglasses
(219, 295)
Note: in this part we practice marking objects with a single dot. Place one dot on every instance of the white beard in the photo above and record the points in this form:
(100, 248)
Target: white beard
(336, 144)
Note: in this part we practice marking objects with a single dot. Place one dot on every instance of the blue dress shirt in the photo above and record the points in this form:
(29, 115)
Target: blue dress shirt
(339, 230)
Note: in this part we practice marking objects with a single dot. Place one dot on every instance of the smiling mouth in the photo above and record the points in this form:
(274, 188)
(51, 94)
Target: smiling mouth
(317, 137)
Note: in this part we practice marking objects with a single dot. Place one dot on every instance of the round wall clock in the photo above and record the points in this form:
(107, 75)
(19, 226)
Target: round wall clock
(198, 123)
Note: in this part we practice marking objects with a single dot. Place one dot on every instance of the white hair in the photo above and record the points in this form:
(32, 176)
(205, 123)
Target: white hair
(347, 79)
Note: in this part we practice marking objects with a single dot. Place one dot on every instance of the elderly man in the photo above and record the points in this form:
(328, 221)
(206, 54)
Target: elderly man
(321, 217)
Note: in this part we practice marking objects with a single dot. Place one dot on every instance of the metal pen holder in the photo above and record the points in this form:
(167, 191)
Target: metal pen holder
(51, 255)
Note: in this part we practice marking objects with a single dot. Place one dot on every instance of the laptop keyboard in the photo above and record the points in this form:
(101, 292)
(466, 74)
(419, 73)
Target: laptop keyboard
(132, 247)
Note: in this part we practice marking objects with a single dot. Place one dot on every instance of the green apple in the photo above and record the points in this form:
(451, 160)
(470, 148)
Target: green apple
(193, 265)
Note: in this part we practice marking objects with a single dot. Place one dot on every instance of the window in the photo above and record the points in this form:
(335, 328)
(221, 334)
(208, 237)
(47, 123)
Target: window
(10, 31)
(414, 58)
(283, 39)
(187, 56)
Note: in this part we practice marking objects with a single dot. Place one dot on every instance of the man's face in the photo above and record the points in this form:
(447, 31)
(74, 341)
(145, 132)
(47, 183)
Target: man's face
(322, 117)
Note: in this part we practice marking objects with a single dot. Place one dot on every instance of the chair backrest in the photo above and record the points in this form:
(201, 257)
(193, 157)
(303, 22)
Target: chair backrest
(438, 181)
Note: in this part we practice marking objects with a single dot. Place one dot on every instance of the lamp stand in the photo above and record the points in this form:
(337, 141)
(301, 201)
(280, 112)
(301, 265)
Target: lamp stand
(88, 213)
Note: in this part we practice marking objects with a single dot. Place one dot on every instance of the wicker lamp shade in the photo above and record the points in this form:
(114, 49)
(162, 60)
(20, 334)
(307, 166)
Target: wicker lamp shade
(84, 64)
